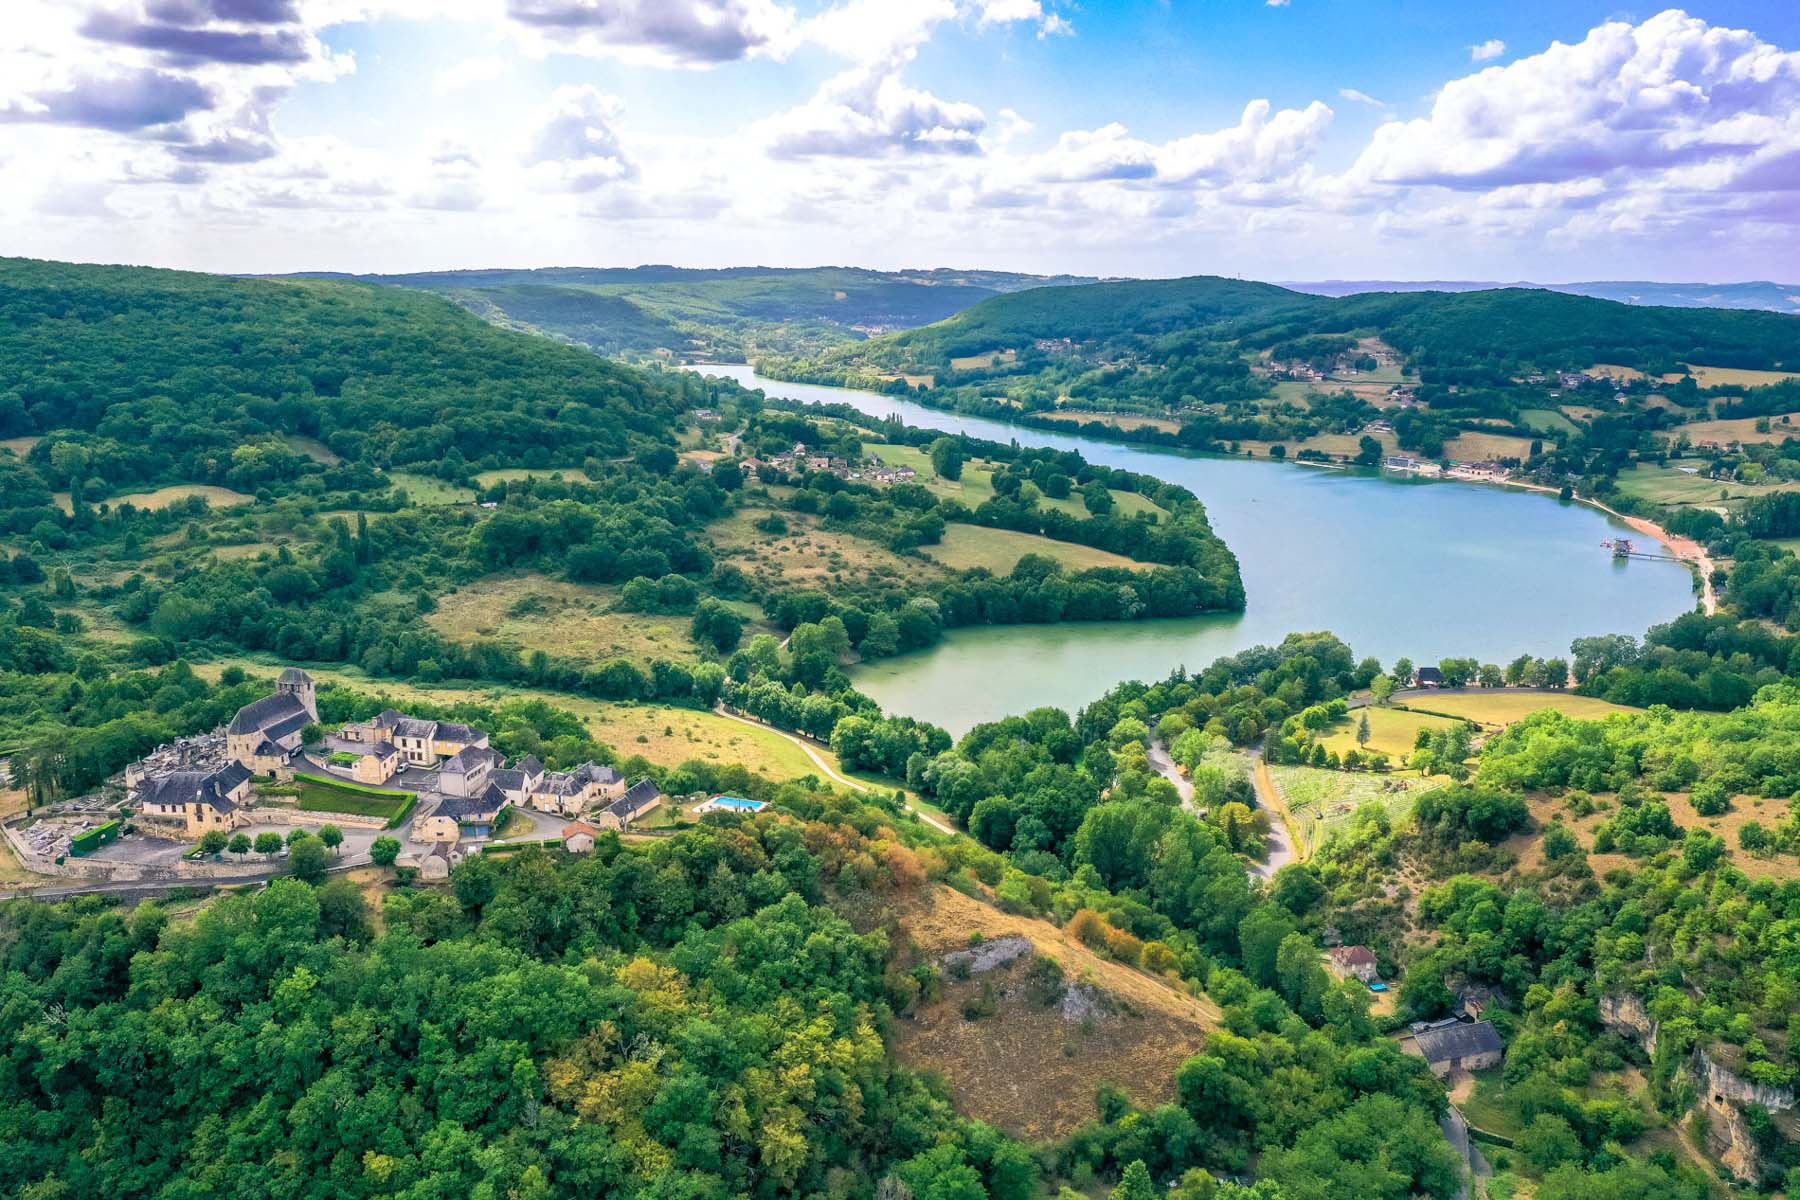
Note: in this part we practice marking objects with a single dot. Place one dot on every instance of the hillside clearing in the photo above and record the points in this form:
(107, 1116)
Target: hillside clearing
(1322, 802)
(510, 474)
(1391, 732)
(536, 612)
(425, 490)
(1503, 706)
(806, 555)
(966, 547)
(1027, 1067)
(1735, 376)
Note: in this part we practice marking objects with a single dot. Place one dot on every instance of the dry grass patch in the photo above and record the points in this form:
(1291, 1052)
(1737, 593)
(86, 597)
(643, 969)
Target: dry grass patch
(983, 362)
(215, 497)
(536, 612)
(966, 547)
(1476, 447)
(1503, 706)
(1125, 421)
(806, 555)
(20, 446)
(511, 474)
(1740, 429)
(1391, 732)
(1734, 376)
(313, 448)
(1544, 809)
(1027, 1067)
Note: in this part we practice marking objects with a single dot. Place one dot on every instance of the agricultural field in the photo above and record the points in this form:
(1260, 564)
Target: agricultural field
(1669, 485)
(1740, 429)
(427, 490)
(509, 474)
(1477, 446)
(1736, 377)
(1321, 801)
(1546, 420)
(984, 362)
(1496, 707)
(1391, 732)
(966, 547)
(536, 612)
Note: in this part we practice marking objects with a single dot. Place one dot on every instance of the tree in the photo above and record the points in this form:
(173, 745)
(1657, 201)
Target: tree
(1135, 1183)
(268, 842)
(1381, 688)
(1098, 498)
(308, 859)
(947, 458)
(332, 836)
(717, 626)
(213, 842)
(239, 844)
(1362, 730)
(384, 850)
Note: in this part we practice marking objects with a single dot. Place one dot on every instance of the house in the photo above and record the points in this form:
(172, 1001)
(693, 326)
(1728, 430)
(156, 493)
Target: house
(519, 780)
(412, 737)
(1353, 962)
(571, 792)
(435, 865)
(451, 737)
(466, 773)
(476, 816)
(376, 765)
(733, 804)
(200, 801)
(377, 730)
(578, 837)
(1428, 677)
(639, 799)
(437, 828)
(264, 734)
(1461, 1047)
(1475, 999)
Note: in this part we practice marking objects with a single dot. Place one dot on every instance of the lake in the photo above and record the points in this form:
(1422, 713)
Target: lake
(1395, 566)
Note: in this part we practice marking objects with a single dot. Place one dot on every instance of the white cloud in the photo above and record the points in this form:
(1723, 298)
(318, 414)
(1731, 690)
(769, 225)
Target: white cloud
(469, 72)
(574, 139)
(1486, 51)
(657, 32)
(1359, 97)
(866, 112)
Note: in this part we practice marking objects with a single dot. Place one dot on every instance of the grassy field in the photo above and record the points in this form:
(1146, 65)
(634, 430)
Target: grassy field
(1737, 377)
(313, 448)
(1668, 485)
(1740, 429)
(1769, 811)
(1474, 447)
(966, 547)
(320, 797)
(806, 555)
(509, 474)
(982, 362)
(1615, 371)
(1547, 420)
(1126, 421)
(1503, 706)
(20, 446)
(425, 489)
(1391, 732)
(536, 612)
(1323, 802)
(161, 498)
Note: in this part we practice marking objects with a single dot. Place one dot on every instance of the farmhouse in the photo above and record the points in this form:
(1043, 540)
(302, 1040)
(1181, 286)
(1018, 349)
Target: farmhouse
(1461, 1047)
(638, 800)
(1428, 677)
(199, 800)
(1352, 962)
(466, 773)
(264, 735)
(570, 792)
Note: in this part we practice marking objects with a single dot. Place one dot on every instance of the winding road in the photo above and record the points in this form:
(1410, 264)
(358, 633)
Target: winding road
(1281, 838)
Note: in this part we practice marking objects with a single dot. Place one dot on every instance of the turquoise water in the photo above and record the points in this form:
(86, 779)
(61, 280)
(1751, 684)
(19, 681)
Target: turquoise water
(1424, 569)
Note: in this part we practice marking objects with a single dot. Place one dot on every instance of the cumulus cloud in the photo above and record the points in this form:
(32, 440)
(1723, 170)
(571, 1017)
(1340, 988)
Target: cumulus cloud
(1670, 92)
(1487, 51)
(675, 32)
(123, 102)
(574, 137)
(868, 112)
(188, 44)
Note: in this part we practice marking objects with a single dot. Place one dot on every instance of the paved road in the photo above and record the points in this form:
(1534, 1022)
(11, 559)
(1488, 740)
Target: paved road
(1158, 754)
(1281, 835)
(826, 768)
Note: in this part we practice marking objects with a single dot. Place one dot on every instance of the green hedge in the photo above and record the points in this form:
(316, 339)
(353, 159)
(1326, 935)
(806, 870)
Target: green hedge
(344, 785)
(93, 839)
(399, 818)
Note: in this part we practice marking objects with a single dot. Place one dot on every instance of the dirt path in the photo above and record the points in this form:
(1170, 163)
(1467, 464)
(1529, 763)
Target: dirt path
(826, 769)
(1158, 754)
(1281, 833)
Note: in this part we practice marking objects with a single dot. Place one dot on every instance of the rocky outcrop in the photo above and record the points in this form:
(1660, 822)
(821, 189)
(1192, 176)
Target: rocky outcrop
(989, 954)
(1721, 1093)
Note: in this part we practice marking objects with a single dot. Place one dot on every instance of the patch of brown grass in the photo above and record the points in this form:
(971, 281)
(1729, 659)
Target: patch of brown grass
(806, 555)
(1026, 1068)
(564, 618)
(1530, 846)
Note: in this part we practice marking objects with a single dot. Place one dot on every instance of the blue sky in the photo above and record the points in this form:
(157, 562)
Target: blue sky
(1306, 139)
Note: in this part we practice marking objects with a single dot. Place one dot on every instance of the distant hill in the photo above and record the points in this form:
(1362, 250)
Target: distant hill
(1775, 297)
(727, 312)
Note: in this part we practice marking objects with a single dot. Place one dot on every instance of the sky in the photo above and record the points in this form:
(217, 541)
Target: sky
(1550, 140)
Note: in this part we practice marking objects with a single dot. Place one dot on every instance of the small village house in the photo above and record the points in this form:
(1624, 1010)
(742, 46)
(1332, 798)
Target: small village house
(1461, 1047)
(578, 837)
(200, 801)
(1353, 962)
(639, 799)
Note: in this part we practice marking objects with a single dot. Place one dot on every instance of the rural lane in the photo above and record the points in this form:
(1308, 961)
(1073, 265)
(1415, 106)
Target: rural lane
(825, 768)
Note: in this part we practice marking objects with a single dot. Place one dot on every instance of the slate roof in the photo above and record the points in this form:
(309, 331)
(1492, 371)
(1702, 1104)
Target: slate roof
(508, 779)
(185, 787)
(452, 731)
(414, 728)
(635, 800)
(529, 766)
(1459, 1041)
(483, 807)
(469, 758)
(294, 675)
(261, 715)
